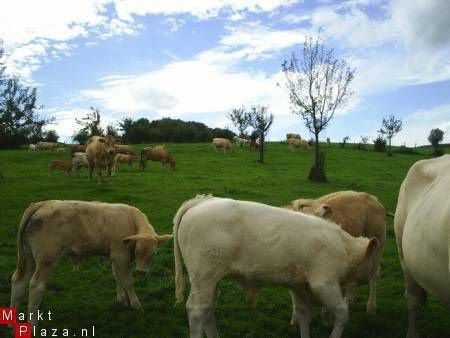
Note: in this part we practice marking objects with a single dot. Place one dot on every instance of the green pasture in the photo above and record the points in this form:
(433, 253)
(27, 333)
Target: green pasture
(80, 299)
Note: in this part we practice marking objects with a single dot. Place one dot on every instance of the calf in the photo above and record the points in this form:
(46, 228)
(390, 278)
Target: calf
(51, 229)
(79, 160)
(65, 166)
(258, 245)
(128, 159)
(159, 153)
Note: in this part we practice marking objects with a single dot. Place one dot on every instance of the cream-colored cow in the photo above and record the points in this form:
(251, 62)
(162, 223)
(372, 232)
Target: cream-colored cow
(422, 231)
(258, 245)
(223, 143)
(51, 229)
(100, 153)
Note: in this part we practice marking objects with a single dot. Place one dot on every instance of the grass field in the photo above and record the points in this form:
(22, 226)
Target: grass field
(87, 297)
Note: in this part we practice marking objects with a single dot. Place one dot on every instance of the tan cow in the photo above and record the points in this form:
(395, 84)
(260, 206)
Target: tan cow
(159, 153)
(51, 229)
(124, 149)
(100, 153)
(292, 135)
(258, 245)
(79, 160)
(121, 158)
(298, 143)
(223, 143)
(359, 214)
(46, 145)
(65, 166)
(77, 148)
(422, 231)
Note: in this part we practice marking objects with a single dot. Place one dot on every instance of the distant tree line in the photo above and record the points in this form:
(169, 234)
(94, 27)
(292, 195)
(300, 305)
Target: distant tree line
(20, 122)
(168, 130)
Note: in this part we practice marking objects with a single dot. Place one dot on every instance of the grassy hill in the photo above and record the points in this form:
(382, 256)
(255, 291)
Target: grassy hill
(87, 297)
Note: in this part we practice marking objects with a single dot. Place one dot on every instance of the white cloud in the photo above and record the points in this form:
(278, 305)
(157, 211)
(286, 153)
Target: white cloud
(200, 9)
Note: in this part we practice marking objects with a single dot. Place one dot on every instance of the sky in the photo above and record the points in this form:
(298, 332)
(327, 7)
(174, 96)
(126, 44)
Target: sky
(196, 60)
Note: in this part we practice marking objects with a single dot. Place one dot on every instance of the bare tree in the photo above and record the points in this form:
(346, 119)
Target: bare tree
(261, 120)
(318, 83)
(390, 127)
(241, 120)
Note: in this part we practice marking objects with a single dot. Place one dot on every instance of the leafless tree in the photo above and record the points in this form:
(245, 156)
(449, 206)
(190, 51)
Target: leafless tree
(240, 119)
(318, 83)
(390, 127)
(261, 121)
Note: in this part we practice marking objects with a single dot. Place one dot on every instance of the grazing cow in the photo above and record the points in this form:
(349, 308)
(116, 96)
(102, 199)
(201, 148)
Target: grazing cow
(124, 149)
(239, 141)
(77, 148)
(65, 166)
(292, 135)
(32, 147)
(328, 141)
(51, 229)
(121, 158)
(359, 214)
(159, 153)
(298, 143)
(422, 231)
(60, 150)
(223, 143)
(79, 160)
(46, 145)
(259, 245)
(100, 152)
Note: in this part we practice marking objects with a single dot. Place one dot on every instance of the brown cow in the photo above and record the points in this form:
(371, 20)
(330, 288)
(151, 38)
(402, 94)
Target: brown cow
(121, 158)
(124, 149)
(100, 153)
(292, 135)
(51, 229)
(77, 148)
(65, 166)
(159, 153)
(298, 143)
(223, 143)
(359, 214)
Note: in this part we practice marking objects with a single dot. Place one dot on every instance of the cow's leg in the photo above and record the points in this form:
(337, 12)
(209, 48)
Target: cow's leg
(416, 297)
(329, 293)
(372, 302)
(200, 308)
(301, 312)
(121, 295)
(91, 170)
(19, 281)
(122, 268)
(251, 293)
(38, 283)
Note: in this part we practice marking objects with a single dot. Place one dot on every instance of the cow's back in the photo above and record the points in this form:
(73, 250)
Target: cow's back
(422, 225)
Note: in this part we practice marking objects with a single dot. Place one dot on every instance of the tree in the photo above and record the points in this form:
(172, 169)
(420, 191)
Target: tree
(390, 127)
(111, 130)
(51, 136)
(241, 119)
(436, 136)
(261, 121)
(125, 126)
(90, 124)
(317, 84)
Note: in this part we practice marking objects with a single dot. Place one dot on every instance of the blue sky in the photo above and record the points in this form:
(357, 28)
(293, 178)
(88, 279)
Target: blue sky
(196, 60)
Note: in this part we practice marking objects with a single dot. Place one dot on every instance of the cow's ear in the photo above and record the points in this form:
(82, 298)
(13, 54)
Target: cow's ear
(372, 246)
(101, 140)
(325, 209)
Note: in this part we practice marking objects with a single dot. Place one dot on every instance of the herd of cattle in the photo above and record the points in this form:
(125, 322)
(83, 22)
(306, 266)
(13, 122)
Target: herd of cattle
(320, 249)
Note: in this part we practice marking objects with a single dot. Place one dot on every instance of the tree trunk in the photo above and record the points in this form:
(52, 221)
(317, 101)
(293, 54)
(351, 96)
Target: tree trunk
(390, 147)
(317, 172)
(261, 148)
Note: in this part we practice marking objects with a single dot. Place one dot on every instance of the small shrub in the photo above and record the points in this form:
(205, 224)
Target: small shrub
(406, 150)
(380, 144)
(438, 152)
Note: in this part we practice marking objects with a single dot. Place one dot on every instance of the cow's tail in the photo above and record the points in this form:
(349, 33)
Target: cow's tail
(29, 212)
(180, 284)
(390, 214)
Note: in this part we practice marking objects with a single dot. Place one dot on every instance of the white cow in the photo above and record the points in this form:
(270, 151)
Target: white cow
(259, 245)
(422, 230)
(32, 147)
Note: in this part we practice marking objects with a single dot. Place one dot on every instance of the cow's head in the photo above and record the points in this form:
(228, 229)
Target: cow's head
(145, 246)
(171, 163)
(109, 144)
(312, 207)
